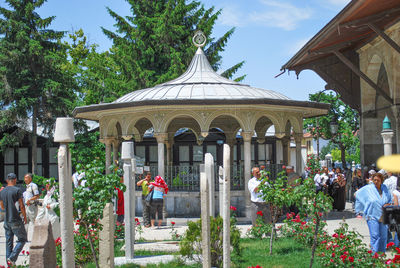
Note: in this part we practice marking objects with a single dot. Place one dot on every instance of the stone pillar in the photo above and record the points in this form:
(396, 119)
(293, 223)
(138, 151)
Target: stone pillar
(107, 141)
(387, 136)
(64, 133)
(299, 161)
(285, 149)
(226, 211)
(115, 145)
(209, 163)
(161, 140)
(279, 152)
(247, 169)
(42, 249)
(106, 236)
(205, 218)
(169, 153)
(129, 199)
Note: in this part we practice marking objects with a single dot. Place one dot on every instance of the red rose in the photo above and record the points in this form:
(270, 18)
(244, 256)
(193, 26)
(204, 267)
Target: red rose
(351, 259)
(390, 244)
(233, 208)
(260, 213)
(136, 220)
(172, 222)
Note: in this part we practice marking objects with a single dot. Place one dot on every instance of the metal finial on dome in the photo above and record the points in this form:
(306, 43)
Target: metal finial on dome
(199, 39)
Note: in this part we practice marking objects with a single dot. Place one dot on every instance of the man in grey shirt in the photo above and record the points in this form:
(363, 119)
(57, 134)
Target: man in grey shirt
(13, 224)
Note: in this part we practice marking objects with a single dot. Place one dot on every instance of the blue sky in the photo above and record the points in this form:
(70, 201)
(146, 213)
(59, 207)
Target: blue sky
(268, 33)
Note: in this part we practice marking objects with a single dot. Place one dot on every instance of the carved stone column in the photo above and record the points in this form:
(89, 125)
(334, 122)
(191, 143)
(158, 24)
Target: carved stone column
(161, 140)
(115, 146)
(247, 169)
(285, 149)
(107, 141)
(299, 161)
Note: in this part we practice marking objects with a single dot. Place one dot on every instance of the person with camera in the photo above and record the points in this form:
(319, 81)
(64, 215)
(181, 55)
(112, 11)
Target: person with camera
(370, 200)
(31, 196)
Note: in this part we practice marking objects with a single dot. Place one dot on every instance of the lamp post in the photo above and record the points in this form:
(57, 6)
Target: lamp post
(328, 158)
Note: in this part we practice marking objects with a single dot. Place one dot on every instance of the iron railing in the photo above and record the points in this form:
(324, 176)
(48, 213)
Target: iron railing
(187, 178)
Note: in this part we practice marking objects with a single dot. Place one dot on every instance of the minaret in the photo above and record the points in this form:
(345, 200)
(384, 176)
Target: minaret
(387, 136)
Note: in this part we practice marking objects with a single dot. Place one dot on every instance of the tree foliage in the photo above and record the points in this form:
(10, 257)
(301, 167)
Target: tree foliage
(34, 82)
(346, 117)
(151, 46)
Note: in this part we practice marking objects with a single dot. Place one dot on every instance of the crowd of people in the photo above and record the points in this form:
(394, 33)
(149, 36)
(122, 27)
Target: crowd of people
(14, 201)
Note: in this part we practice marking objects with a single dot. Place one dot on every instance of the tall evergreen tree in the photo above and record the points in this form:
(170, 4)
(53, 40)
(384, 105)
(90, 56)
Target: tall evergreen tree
(154, 45)
(34, 80)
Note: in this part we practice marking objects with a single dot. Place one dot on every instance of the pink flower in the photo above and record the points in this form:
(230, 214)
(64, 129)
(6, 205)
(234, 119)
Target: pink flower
(389, 261)
(233, 208)
(335, 235)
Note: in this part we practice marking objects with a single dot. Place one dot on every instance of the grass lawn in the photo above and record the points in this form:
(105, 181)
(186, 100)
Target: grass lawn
(286, 253)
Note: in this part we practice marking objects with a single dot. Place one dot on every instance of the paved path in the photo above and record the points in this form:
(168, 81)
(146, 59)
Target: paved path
(164, 233)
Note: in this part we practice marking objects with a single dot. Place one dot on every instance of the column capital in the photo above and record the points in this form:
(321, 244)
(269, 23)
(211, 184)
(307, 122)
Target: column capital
(285, 139)
(387, 136)
(260, 140)
(107, 140)
(204, 134)
(161, 137)
(247, 135)
(298, 137)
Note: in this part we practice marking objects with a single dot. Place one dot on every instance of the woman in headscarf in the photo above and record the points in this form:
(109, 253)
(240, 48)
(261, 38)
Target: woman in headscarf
(160, 189)
(370, 200)
(47, 211)
(339, 192)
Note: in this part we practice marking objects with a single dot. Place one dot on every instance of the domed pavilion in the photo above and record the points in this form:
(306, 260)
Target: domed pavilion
(202, 101)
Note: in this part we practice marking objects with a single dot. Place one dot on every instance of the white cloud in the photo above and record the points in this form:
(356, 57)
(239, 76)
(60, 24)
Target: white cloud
(281, 15)
(232, 16)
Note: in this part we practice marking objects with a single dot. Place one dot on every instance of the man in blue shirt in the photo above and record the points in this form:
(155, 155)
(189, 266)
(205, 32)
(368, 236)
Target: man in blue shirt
(13, 224)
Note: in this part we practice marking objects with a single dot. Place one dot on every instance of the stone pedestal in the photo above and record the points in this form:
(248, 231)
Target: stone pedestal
(106, 244)
(299, 161)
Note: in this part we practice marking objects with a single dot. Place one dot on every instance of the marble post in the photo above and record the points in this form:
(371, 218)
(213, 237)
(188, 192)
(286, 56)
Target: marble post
(221, 190)
(247, 170)
(299, 160)
(106, 238)
(129, 198)
(205, 218)
(169, 158)
(226, 211)
(64, 133)
(209, 163)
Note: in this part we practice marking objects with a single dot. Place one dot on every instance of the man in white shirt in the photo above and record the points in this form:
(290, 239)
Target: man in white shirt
(30, 200)
(391, 182)
(258, 204)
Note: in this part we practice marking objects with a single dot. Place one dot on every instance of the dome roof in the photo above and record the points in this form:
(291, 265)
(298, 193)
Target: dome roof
(200, 82)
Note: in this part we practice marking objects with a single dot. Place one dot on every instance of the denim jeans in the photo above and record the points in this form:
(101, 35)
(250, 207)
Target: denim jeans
(18, 229)
(378, 232)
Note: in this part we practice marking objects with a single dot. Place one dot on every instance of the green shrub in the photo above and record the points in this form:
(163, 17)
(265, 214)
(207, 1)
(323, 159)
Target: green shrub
(190, 245)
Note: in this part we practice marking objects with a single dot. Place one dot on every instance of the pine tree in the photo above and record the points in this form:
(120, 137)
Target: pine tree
(154, 45)
(34, 80)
